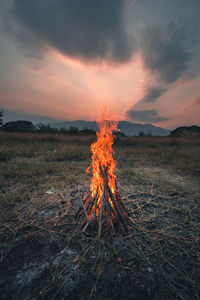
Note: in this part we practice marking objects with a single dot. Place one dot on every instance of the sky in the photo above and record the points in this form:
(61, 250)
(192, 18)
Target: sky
(66, 60)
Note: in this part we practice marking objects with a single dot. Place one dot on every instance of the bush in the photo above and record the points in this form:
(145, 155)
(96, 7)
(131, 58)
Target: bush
(19, 126)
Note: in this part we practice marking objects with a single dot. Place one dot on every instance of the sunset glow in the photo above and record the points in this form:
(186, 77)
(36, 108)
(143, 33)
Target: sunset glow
(45, 77)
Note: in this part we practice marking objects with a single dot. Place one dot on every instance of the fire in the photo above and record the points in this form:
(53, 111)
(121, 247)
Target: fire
(103, 205)
(103, 161)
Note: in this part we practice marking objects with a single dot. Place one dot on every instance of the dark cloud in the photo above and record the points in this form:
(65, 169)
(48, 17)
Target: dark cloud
(79, 28)
(197, 100)
(165, 52)
(153, 93)
(145, 116)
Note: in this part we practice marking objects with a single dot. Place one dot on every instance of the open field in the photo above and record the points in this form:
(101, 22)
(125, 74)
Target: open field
(43, 253)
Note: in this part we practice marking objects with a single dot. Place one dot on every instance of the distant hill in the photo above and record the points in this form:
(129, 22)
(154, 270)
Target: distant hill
(185, 130)
(128, 128)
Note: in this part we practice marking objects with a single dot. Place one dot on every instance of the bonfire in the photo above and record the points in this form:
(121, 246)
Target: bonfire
(103, 207)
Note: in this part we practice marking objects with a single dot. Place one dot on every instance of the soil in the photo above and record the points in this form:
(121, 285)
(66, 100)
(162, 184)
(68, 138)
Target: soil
(49, 257)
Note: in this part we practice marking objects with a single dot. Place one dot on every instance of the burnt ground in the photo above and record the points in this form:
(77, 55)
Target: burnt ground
(46, 256)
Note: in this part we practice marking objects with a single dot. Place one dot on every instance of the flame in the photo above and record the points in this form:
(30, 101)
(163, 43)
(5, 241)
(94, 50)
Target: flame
(102, 160)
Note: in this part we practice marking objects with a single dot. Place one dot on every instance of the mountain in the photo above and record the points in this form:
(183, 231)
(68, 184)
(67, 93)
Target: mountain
(128, 128)
(11, 116)
(185, 130)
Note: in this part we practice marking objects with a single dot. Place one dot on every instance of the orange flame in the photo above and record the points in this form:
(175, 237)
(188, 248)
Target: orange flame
(102, 160)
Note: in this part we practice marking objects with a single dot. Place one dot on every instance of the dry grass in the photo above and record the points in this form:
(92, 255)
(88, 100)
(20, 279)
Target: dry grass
(27, 138)
(44, 255)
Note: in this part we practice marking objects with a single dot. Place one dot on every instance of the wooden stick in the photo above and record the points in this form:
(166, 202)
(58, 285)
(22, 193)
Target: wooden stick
(107, 209)
(107, 215)
(101, 170)
(100, 213)
(117, 209)
(109, 218)
(87, 224)
(120, 202)
(119, 198)
(114, 202)
(111, 208)
(95, 205)
(116, 206)
(111, 222)
(80, 208)
(88, 209)
(85, 211)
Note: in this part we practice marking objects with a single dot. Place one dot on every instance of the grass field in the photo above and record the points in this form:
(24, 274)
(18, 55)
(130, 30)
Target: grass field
(44, 254)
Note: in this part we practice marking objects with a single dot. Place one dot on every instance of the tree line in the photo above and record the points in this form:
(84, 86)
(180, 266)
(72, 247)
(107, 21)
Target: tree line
(24, 126)
(28, 127)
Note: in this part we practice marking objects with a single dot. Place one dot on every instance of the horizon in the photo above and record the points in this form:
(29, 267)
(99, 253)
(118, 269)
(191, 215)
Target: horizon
(49, 121)
(141, 59)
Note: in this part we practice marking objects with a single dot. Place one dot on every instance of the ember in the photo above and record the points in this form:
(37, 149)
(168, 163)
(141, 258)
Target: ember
(103, 205)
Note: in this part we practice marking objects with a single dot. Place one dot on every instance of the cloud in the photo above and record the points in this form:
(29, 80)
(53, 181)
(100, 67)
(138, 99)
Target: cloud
(197, 101)
(14, 116)
(85, 29)
(194, 104)
(165, 52)
(153, 93)
(145, 116)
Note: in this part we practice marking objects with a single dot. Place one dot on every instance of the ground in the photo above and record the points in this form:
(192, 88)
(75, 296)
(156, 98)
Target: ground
(45, 255)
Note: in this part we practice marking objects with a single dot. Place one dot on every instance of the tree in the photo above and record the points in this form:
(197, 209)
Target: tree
(87, 132)
(1, 117)
(19, 126)
(149, 133)
(73, 130)
(141, 133)
(42, 128)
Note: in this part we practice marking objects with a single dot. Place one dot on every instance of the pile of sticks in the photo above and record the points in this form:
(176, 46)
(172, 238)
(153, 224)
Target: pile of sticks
(104, 212)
